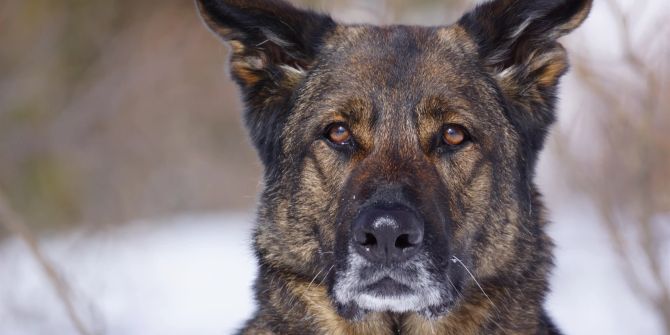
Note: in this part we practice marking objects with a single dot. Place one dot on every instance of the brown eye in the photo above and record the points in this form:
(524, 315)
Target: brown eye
(454, 135)
(338, 134)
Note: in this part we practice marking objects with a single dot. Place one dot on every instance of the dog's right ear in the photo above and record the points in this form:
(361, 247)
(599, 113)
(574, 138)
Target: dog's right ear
(273, 47)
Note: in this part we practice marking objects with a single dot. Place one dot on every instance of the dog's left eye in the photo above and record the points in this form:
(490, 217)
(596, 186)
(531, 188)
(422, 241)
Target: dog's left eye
(338, 134)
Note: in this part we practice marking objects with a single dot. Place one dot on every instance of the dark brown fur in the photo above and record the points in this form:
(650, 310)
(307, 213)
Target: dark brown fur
(495, 72)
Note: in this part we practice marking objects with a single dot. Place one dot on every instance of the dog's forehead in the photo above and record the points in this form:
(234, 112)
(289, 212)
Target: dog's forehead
(396, 72)
(399, 64)
(400, 53)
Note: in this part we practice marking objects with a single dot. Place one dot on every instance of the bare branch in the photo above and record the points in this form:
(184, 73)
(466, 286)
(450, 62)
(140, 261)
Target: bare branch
(633, 107)
(15, 224)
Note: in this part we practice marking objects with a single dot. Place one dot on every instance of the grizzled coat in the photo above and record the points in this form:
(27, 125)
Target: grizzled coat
(446, 121)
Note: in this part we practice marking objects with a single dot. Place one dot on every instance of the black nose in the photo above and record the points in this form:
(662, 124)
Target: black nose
(387, 234)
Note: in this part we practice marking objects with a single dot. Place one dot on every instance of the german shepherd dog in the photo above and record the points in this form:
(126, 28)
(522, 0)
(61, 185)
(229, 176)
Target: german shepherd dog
(399, 161)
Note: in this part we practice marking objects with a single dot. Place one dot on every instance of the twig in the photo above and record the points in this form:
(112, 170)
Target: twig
(648, 145)
(16, 225)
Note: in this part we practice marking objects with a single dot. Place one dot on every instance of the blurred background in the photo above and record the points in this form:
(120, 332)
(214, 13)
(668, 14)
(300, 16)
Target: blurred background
(127, 182)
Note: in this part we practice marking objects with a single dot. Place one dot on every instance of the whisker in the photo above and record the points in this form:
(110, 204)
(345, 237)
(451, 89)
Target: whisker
(454, 286)
(292, 301)
(310, 284)
(326, 275)
(455, 259)
(315, 276)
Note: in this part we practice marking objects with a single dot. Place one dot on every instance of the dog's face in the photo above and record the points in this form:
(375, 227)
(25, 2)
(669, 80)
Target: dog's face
(398, 159)
(403, 141)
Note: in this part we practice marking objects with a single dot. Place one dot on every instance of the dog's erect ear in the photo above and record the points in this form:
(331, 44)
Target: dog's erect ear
(273, 46)
(270, 39)
(517, 42)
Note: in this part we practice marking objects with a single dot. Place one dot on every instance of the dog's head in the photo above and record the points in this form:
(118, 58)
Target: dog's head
(399, 160)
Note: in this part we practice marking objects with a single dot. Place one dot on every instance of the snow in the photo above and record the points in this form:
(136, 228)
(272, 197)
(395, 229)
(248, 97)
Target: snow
(589, 292)
(193, 275)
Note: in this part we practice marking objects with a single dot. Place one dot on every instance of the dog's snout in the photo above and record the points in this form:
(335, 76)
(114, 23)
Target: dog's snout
(387, 234)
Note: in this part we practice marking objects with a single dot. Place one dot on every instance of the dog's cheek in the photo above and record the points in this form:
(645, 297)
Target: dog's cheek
(466, 177)
(483, 213)
(317, 199)
(494, 220)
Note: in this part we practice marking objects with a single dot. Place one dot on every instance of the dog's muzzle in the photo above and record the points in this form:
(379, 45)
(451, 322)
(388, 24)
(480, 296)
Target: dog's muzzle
(387, 267)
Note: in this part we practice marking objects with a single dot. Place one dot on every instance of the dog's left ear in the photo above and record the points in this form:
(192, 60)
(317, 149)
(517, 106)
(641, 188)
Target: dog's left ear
(517, 41)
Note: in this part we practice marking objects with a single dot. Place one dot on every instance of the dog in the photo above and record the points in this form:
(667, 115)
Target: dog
(398, 166)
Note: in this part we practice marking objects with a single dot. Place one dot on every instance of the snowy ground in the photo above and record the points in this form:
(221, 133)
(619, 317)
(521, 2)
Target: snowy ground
(192, 275)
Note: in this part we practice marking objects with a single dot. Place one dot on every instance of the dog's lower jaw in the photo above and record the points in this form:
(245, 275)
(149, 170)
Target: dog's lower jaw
(295, 304)
(296, 307)
(357, 309)
(353, 313)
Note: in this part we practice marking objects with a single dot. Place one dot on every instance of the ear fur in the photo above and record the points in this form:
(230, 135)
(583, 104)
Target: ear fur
(273, 46)
(518, 46)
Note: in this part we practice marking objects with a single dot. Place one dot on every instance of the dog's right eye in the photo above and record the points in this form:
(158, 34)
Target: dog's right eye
(454, 135)
(338, 134)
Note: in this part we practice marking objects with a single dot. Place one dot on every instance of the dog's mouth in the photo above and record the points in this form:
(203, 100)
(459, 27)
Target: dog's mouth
(387, 287)
(410, 287)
